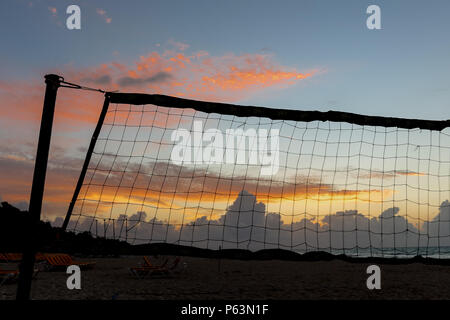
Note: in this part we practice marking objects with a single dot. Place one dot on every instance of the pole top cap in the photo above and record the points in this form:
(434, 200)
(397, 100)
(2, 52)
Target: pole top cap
(54, 78)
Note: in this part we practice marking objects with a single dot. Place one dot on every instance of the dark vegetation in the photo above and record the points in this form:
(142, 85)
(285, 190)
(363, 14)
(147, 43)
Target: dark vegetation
(13, 238)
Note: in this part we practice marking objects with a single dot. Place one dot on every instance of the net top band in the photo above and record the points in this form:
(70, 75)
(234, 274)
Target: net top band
(274, 114)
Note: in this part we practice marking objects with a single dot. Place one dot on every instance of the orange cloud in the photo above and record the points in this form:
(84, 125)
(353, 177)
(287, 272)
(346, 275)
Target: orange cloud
(408, 173)
(16, 175)
(390, 174)
(198, 76)
(53, 11)
(170, 186)
(103, 14)
(247, 72)
(22, 104)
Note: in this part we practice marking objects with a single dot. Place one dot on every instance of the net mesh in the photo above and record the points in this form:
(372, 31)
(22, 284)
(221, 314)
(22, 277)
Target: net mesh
(210, 180)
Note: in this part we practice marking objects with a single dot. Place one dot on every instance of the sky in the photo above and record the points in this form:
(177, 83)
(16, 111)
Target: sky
(304, 55)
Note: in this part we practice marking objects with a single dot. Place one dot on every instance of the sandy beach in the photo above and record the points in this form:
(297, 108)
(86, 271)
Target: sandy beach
(237, 279)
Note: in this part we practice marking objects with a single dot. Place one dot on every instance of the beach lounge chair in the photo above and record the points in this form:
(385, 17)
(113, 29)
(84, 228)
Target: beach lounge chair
(8, 276)
(143, 270)
(148, 263)
(17, 257)
(175, 267)
(40, 257)
(61, 261)
(3, 272)
(13, 257)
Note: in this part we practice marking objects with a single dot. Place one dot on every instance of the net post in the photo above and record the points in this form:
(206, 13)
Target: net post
(37, 189)
(86, 161)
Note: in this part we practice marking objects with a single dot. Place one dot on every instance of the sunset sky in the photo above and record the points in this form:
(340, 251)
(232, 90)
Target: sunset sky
(305, 55)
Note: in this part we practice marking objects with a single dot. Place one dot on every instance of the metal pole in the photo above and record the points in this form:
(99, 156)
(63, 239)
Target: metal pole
(37, 189)
(86, 161)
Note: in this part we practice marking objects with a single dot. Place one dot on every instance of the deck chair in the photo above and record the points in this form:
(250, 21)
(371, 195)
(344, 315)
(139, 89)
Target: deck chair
(13, 274)
(17, 257)
(3, 271)
(61, 261)
(40, 257)
(13, 257)
(143, 270)
(8, 276)
(174, 267)
(149, 264)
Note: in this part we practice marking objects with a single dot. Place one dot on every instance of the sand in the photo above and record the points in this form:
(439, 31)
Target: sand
(270, 279)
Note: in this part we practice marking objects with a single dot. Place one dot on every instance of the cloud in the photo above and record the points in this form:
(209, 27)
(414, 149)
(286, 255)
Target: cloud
(178, 71)
(438, 229)
(172, 185)
(55, 17)
(246, 224)
(196, 75)
(389, 174)
(53, 11)
(100, 80)
(178, 45)
(157, 78)
(23, 106)
(408, 173)
(104, 15)
(247, 71)
(16, 175)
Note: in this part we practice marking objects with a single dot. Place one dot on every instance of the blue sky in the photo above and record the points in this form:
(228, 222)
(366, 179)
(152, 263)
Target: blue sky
(399, 70)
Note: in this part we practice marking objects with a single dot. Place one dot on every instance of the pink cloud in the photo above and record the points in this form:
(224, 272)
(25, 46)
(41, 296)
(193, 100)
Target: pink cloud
(103, 14)
(198, 75)
(53, 11)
